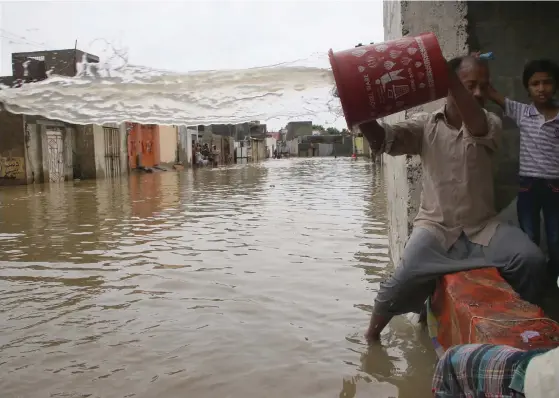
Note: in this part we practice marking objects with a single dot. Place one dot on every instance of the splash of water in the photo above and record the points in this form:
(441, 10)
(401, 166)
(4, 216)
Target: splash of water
(101, 93)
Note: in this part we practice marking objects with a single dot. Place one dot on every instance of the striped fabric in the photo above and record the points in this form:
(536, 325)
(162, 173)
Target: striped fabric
(539, 141)
(482, 370)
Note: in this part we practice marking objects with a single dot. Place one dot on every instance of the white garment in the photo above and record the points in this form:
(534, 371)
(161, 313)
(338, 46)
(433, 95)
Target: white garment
(542, 376)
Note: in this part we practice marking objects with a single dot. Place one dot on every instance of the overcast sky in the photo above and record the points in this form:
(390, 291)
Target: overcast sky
(191, 35)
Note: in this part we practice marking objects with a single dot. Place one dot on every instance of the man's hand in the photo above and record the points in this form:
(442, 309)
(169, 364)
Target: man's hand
(374, 133)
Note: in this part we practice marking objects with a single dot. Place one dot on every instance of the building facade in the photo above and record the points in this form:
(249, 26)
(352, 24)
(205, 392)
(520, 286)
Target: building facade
(35, 149)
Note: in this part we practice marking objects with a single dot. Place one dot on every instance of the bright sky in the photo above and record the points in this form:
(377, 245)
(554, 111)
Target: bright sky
(190, 35)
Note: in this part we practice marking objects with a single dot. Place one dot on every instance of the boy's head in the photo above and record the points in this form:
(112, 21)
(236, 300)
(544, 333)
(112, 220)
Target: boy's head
(474, 75)
(540, 78)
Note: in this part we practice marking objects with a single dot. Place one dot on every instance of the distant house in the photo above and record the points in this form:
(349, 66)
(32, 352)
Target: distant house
(298, 129)
(34, 149)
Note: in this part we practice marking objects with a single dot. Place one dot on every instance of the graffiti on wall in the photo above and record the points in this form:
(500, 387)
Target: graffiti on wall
(12, 168)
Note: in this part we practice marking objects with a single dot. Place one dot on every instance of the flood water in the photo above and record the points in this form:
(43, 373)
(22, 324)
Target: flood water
(249, 281)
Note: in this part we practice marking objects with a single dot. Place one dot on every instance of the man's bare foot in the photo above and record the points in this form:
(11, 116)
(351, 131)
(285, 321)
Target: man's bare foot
(372, 336)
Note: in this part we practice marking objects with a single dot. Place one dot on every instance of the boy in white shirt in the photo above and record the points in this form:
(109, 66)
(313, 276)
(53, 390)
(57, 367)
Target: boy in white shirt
(539, 154)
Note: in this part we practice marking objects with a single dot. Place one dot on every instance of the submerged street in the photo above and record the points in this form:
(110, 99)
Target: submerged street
(249, 281)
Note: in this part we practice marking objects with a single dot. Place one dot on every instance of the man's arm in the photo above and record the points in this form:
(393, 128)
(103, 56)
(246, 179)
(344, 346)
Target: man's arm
(471, 112)
(492, 139)
(403, 138)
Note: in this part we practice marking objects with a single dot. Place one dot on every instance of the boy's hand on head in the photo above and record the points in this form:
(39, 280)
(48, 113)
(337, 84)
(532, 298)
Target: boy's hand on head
(490, 91)
(492, 94)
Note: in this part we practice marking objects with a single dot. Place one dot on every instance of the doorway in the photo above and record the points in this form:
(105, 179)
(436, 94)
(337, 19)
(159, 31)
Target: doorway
(55, 150)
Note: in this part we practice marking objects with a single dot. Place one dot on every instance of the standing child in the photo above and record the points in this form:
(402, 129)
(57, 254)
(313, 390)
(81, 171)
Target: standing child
(539, 154)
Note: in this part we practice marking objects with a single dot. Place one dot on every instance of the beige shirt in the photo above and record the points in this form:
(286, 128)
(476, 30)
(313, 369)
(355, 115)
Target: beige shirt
(458, 190)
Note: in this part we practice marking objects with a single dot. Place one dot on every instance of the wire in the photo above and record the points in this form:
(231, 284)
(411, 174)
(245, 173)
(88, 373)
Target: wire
(506, 320)
(27, 41)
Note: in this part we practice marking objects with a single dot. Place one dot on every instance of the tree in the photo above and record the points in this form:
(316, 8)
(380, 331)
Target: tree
(333, 130)
(318, 127)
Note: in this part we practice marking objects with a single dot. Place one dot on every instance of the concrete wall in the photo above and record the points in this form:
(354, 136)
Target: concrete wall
(84, 153)
(99, 151)
(515, 32)
(226, 130)
(89, 150)
(33, 151)
(257, 150)
(325, 149)
(403, 174)
(24, 150)
(345, 148)
(271, 145)
(60, 62)
(517, 35)
(124, 166)
(185, 137)
(298, 129)
(224, 147)
(102, 168)
(168, 145)
(12, 149)
(292, 147)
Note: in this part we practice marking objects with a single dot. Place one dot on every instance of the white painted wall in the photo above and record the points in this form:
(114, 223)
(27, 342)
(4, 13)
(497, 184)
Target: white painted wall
(325, 149)
(123, 149)
(33, 153)
(293, 147)
(190, 134)
(68, 137)
(167, 144)
(184, 142)
(99, 151)
(242, 152)
(271, 144)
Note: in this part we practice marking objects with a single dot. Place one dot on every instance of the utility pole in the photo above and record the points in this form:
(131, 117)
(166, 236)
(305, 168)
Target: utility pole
(75, 57)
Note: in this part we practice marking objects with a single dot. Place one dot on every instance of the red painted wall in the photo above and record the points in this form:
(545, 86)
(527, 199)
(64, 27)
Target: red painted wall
(143, 139)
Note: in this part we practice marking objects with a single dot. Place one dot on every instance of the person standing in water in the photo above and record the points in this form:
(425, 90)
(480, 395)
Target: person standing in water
(539, 154)
(455, 229)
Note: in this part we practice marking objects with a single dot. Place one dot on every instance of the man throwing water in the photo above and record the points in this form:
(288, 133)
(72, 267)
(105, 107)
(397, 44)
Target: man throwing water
(455, 229)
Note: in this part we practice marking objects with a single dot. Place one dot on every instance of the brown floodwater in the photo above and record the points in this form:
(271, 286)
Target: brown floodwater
(248, 281)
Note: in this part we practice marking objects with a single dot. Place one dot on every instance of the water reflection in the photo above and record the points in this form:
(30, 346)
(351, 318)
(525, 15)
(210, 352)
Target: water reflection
(249, 281)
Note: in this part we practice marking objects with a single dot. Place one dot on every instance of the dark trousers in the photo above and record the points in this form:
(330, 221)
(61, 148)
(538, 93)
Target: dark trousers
(539, 195)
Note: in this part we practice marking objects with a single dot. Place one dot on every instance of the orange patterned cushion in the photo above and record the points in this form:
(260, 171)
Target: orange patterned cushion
(480, 307)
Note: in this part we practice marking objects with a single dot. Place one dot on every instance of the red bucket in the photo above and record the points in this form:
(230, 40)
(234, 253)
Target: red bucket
(378, 80)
